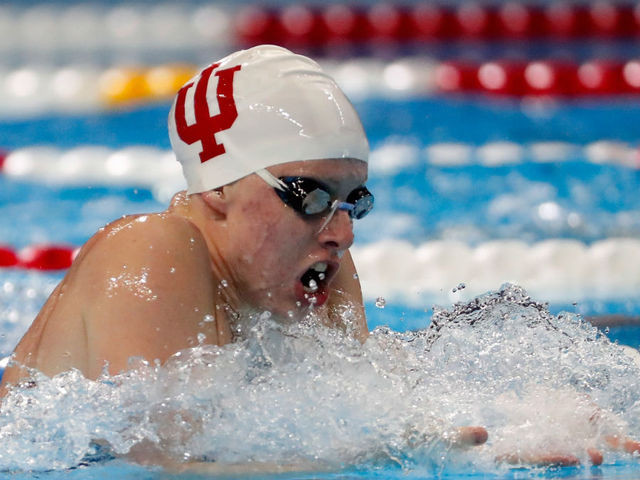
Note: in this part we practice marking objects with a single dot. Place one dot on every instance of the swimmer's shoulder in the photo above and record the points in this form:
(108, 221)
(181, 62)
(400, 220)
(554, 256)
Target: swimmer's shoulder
(157, 243)
(138, 233)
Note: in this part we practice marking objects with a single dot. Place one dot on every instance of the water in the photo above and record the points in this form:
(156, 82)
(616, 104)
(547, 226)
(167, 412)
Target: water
(539, 380)
(306, 395)
(309, 396)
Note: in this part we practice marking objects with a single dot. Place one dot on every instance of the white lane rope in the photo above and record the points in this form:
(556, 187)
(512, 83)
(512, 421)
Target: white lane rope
(444, 271)
(45, 29)
(555, 270)
(154, 168)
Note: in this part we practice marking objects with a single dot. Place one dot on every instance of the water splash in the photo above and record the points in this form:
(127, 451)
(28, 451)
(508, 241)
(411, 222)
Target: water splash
(305, 393)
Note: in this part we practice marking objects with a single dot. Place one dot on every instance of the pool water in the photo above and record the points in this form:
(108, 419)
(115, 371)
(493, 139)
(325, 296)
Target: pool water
(452, 175)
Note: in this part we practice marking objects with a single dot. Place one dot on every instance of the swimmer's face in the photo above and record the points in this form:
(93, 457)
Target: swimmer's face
(283, 261)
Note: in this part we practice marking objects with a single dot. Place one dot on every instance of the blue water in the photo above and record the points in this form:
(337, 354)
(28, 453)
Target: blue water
(426, 120)
(440, 200)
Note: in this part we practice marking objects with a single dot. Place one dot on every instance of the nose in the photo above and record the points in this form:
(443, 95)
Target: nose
(337, 233)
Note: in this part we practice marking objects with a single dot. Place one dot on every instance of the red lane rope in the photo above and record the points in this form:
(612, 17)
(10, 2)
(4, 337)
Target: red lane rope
(336, 24)
(38, 257)
(540, 78)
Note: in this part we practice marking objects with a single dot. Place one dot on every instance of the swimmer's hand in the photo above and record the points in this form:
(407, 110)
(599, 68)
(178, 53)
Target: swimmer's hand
(548, 459)
(469, 437)
(623, 444)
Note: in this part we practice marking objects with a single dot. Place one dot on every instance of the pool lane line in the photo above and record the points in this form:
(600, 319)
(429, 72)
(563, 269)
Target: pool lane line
(150, 167)
(35, 89)
(338, 26)
(558, 270)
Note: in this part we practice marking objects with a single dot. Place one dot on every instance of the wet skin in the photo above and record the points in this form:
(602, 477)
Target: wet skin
(151, 285)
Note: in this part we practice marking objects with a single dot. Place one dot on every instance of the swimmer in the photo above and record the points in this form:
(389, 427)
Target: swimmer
(275, 159)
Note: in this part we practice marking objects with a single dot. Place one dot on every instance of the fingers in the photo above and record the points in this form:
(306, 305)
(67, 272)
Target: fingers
(623, 443)
(595, 456)
(539, 459)
(470, 436)
(549, 459)
(631, 446)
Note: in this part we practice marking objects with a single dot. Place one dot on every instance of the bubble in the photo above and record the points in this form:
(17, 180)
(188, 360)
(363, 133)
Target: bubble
(8, 287)
(313, 285)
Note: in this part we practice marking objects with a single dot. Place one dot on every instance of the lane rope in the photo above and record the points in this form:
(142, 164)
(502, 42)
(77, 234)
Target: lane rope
(558, 270)
(191, 25)
(157, 169)
(34, 89)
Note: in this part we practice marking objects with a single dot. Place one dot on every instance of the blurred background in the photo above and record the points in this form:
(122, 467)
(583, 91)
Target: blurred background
(504, 139)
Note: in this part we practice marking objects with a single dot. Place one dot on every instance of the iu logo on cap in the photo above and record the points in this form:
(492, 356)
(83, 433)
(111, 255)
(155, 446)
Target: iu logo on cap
(206, 126)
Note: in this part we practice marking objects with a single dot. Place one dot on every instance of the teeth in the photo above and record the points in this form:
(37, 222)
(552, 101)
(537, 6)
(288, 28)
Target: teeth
(316, 274)
(320, 267)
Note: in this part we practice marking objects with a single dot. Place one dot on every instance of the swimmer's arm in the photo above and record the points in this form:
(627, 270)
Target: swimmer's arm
(147, 289)
(346, 290)
(599, 420)
(463, 437)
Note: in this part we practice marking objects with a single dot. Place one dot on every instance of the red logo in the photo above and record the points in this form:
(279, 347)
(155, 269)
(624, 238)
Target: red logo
(206, 126)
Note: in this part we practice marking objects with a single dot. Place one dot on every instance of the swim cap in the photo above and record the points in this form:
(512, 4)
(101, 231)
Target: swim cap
(256, 108)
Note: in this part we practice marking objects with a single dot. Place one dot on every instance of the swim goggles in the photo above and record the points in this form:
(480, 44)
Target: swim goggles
(309, 197)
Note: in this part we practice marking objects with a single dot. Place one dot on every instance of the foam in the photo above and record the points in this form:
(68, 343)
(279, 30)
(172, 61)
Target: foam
(306, 394)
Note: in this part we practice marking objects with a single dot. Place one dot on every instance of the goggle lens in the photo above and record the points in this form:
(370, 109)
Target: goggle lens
(309, 197)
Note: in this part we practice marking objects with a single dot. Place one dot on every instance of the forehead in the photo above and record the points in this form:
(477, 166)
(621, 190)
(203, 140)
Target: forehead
(331, 171)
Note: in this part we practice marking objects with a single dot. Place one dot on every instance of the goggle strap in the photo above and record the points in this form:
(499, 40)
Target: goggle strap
(271, 179)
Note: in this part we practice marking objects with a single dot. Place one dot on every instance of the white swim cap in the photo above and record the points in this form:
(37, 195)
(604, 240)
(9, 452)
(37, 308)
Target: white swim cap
(260, 107)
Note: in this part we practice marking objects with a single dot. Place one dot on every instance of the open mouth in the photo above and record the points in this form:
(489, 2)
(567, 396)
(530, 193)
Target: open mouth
(314, 283)
(315, 277)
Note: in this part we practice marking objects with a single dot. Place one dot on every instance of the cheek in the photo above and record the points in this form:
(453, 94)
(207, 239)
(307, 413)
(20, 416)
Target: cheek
(273, 240)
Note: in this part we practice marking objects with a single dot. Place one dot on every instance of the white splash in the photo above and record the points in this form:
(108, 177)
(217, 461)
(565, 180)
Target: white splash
(306, 393)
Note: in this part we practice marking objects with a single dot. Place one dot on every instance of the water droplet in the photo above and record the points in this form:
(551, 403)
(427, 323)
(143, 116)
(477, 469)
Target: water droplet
(355, 276)
(201, 338)
(321, 276)
(208, 318)
(224, 283)
(381, 302)
(172, 270)
(290, 314)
